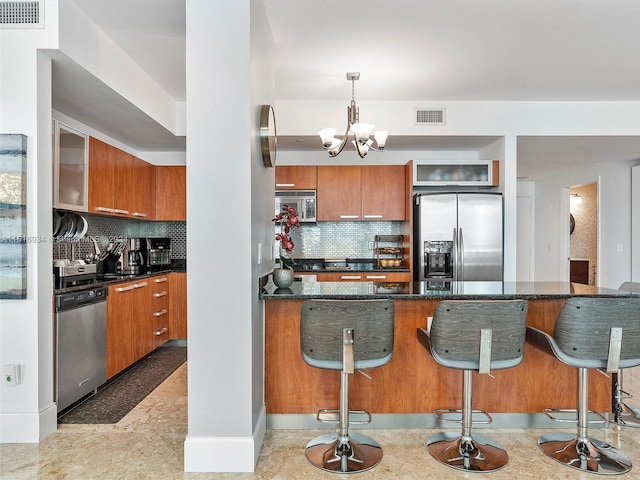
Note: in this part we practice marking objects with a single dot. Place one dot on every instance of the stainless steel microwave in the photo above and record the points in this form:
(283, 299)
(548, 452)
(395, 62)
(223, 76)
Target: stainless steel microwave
(304, 201)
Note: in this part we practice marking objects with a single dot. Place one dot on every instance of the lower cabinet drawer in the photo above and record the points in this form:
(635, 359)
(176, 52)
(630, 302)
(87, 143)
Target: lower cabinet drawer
(364, 277)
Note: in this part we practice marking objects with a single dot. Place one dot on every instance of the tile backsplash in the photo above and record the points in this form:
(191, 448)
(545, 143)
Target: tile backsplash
(339, 239)
(105, 229)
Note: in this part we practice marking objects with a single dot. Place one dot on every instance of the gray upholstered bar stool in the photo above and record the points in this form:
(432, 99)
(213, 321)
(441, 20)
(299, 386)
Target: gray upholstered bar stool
(590, 333)
(478, 336)
(623, 413)
(345, 335)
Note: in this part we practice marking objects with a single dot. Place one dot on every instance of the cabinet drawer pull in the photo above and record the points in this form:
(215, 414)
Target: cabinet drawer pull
(160, 294)
(160, 280)
(372, 216)
(125, 289)
(285, 185)
(140, 285)
(349, 216)
(376, 277)
(350, 277)
(161, 331)
(105, 209)
(161, 312)
(139, 214)
(122, 212)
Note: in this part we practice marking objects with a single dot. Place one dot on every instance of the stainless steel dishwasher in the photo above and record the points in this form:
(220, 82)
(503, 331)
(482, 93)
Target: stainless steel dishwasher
(81, 344)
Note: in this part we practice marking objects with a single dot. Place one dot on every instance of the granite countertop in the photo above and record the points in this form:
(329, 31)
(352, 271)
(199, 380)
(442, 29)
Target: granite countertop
(437, 290)
(111, 280)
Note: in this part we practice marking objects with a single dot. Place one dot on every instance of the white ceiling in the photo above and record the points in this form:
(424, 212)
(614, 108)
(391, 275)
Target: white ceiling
(405, 50)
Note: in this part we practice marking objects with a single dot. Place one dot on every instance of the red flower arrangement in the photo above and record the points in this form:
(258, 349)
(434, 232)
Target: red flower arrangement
(287, 219)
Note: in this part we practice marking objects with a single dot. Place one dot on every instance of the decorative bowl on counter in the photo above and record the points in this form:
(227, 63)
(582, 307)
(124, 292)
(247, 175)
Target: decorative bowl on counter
(390, 262)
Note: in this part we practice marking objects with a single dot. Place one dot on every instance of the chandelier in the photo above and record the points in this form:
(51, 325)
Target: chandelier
(360, 131)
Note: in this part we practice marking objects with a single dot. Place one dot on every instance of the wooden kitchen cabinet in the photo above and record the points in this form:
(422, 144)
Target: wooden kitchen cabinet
(579, 271)
(141, 320)
(383, 192)
(111, 184)
(178, 306)
(339, 195)
(296, 177)
(120, 333)
(370, 192)
(143, 204)
(160, 289)
(171, 193)
(101, 176)
(137, 320)
(364, 277)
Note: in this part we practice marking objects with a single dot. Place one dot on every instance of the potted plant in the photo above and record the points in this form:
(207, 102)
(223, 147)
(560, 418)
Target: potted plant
(287, 219)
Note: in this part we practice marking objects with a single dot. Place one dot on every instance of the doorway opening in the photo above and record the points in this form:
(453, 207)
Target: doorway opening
(583, 236)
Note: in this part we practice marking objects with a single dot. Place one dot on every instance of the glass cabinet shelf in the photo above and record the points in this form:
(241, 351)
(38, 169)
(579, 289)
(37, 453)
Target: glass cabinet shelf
(471, 173)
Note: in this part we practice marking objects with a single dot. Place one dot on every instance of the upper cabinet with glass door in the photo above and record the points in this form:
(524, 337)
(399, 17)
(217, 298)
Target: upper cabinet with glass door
(461, 173)
(70, 172)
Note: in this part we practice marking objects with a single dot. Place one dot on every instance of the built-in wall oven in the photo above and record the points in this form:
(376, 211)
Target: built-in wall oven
(80, 344)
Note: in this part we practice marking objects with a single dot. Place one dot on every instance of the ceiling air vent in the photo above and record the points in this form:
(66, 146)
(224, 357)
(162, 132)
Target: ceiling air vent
(25, 14)
(430, 116)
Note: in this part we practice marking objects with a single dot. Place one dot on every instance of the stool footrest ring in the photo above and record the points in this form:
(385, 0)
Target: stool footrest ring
(441, 412)
(326, 415)
(550, 411)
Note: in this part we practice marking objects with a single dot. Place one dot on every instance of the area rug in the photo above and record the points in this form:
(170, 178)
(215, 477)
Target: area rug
(118, 397)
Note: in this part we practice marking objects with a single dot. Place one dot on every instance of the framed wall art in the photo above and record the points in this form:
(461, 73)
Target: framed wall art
(13, 216)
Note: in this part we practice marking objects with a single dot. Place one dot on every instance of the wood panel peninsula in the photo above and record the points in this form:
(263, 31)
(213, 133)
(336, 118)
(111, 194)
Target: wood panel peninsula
(412, 384)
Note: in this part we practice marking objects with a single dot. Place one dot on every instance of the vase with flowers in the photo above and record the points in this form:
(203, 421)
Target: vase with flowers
(287, 219)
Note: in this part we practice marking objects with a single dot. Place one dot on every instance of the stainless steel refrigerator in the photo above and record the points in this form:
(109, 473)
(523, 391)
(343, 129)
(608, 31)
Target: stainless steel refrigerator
(458, 236)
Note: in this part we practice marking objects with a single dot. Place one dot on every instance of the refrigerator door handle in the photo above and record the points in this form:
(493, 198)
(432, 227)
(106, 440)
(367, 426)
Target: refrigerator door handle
(454, 255)
(461, 254)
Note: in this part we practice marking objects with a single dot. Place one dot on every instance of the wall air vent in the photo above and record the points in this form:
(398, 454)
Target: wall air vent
(430, 116)
(24, 14)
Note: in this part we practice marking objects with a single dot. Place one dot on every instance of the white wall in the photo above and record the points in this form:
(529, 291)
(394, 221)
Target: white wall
(229, 211)
(507, 120)
(614, 234)
(91, 48)
(27, 412)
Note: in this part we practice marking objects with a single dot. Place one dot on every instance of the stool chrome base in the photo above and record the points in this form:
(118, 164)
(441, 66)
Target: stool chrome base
(343, 454)
(591, 455)
(475, 453)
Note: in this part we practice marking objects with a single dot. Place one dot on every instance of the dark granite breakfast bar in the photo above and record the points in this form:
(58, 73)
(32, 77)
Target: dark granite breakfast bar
(413, 383)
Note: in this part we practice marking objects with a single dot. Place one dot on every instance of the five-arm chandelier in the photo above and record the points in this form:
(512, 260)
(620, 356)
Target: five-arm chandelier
(360, 131)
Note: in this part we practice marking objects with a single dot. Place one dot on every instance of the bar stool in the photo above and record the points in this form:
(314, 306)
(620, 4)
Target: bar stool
(345, 335)
(623, 413)
(479, 336)
(590, 333)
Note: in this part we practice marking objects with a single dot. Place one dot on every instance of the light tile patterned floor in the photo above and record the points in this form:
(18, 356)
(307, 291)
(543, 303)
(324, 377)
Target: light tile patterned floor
(148, 444)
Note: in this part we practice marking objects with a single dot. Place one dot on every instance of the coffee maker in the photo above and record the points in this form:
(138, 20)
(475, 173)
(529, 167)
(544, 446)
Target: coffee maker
(132, 259)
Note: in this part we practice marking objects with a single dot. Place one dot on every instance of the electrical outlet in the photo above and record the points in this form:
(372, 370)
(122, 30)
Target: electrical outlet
(371, 246)
(13, 374)
(259, 253)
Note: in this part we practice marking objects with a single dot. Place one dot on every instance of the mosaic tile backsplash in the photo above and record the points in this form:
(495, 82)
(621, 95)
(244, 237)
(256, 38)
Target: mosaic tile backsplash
(340, 239)
(105, 229)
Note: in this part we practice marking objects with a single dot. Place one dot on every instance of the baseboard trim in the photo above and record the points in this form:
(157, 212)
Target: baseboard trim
(416, 420)
(225, 454)
(23, 427)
